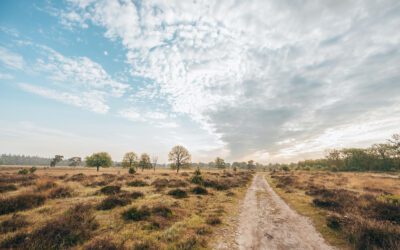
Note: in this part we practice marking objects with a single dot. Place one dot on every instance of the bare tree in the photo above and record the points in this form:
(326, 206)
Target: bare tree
(154, 160)
(56, 160)
(144, 161)
(129, 160)
(180, 156)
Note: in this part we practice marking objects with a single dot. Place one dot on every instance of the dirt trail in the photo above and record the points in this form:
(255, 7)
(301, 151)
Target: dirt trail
(267, 222)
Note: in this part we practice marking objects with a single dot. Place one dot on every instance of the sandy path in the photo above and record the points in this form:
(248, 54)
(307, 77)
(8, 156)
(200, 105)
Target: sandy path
(267, 222)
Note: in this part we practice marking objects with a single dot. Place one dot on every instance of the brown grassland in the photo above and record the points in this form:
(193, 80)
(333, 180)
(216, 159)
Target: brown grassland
(351, 210)
(81, 209)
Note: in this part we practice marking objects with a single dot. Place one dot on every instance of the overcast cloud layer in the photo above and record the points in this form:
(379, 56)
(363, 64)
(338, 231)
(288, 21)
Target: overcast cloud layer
(274, 80)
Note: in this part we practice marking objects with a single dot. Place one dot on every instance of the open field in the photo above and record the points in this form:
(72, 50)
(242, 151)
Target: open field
(351, 210)
(80, 208)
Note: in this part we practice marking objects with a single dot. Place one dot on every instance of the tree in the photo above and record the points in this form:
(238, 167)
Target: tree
(335, 158)
(102, 159)
(219, 163)
(180, 156)
(154, 160)
(129, 160)
(55, 160)
(74, 161)
(144, 161)
(250, 165)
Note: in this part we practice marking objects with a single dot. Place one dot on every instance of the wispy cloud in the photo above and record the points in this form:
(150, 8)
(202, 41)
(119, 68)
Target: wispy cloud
(10, 59)
(79, 70)
(93, 100)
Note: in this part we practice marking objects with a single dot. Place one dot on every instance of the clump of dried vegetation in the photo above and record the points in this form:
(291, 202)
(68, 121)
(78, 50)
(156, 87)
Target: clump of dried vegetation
(75, 208)
(359, 208)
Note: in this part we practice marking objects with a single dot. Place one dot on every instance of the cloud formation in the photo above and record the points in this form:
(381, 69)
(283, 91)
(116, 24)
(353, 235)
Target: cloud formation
(258, 73)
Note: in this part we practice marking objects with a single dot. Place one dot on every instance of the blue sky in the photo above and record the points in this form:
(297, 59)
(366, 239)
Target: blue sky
(264, 80)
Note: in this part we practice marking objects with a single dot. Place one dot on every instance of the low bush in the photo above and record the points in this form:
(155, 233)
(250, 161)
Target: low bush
(373, 235)
(137, 183)
(15, 242)
(136, 214)
(72, 228)
(218, 185)
(60, 193)
(197, 178)
(78, 177)
(114, 201)
(326, 203)
(335, 222)
(109, 190)
(177, 183)
(213, 220)
(103, 243)
(136, 194)
(160, 183)
(132, 170)
(23, 171)
(14, 223)
(178, 193)
(21, 202)
(199, 190)
(162, 210)
(45, 185)
(32, 170)
(7, 188)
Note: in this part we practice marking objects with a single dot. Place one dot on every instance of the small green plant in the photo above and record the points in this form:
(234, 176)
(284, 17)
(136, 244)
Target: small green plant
(23, 171)
(32, 169)
(197, 178)
(132, 170)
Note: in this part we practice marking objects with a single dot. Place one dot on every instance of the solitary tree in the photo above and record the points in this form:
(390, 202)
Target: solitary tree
(250, 165)
(74, 161)
(129, 160)
(144, 161)
(219, 163)
(154, 160)
(55, 160)
(98, 160)
(179, 156)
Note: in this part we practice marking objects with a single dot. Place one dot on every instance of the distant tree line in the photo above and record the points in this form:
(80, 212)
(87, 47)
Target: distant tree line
(378, 157)
(179, 158)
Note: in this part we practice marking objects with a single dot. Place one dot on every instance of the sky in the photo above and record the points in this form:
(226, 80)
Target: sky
(268, 80)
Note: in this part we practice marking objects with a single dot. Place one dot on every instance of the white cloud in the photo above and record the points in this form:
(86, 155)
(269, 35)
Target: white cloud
(11, 59)
(259, 73)
(92, 100)
(79, 70)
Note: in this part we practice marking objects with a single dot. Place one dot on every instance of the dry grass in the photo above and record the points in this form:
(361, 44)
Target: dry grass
(351, 210)
(147, 210)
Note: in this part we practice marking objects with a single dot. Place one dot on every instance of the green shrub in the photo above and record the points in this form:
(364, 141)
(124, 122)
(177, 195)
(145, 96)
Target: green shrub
(132, 170)
(14, 223)
(199, 190)
(213, 220)
(137, 183)
(136, 214)
(23, 171)
(113, 201)
(110, 190)
(7, 188)
(178, 193)
(21, 202)
(32, 170)
(162, 211)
